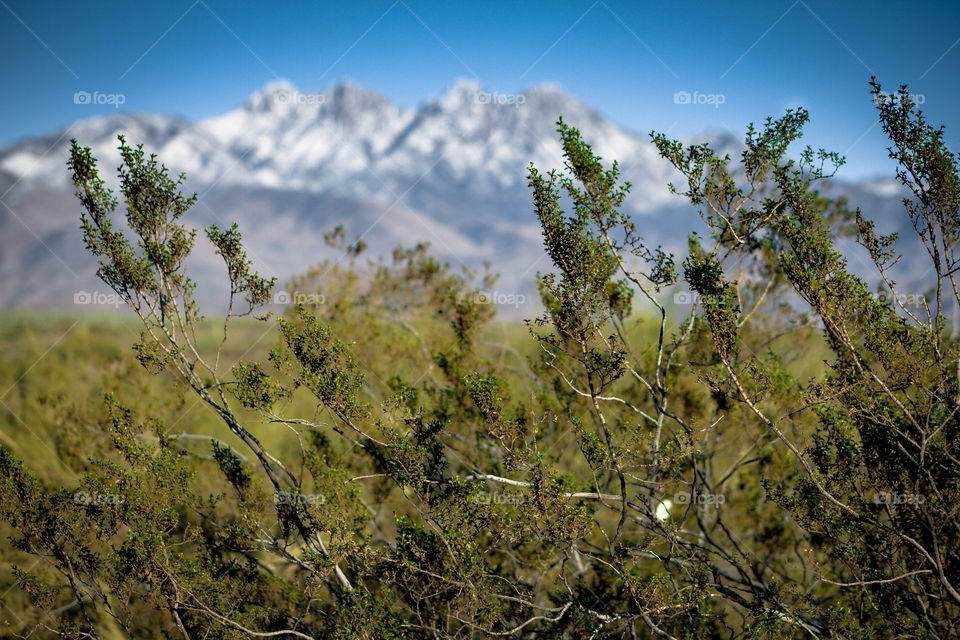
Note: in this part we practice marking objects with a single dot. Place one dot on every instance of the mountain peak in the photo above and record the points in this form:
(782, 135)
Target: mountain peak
(280, 85)
(289, 165)
(551, 95)
(462, 94)
(274, 94)
(465, 85)
(547, 89)
(347, 100)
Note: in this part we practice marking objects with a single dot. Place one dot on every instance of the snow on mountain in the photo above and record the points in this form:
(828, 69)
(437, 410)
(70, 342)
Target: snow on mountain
(288, 166)
(354, 140)
(884, 187)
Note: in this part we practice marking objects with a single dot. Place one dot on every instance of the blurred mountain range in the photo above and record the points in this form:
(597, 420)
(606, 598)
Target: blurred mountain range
(289, 166)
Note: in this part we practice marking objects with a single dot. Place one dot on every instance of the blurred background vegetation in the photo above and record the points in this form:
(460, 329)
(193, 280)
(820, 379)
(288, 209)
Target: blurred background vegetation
(56, 367)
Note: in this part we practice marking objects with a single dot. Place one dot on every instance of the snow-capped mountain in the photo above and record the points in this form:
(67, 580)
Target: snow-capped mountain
(351, 140)
(288, 166)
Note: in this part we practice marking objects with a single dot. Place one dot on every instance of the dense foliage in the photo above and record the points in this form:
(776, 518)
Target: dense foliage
(775, 459)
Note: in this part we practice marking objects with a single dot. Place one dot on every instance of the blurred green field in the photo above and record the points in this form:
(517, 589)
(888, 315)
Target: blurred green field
(56, 360)
(51, 361)
(56, 367)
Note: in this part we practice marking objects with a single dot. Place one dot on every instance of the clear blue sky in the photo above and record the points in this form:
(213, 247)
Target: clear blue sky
(627, 59)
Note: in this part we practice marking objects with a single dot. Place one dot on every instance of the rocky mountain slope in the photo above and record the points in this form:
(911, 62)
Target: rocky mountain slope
(288, 166)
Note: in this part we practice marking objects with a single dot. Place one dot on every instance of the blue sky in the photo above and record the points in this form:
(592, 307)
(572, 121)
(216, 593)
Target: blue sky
(197, 58)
